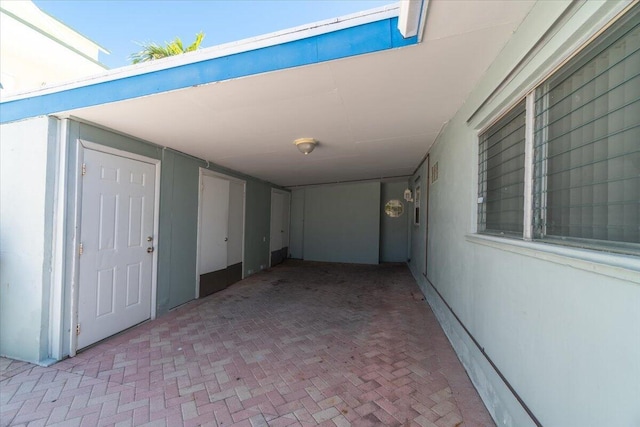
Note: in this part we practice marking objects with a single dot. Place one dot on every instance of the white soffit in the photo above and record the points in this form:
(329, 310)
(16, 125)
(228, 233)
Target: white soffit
(374, 115)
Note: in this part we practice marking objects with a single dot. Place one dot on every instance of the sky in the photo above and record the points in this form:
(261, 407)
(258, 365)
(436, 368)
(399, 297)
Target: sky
(117, 25)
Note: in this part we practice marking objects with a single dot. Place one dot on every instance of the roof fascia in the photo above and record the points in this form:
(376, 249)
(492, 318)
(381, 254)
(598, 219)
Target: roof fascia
(366, 38)
(226, 49)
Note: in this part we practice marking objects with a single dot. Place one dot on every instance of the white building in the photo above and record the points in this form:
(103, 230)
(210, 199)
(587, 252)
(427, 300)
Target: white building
(37, 50)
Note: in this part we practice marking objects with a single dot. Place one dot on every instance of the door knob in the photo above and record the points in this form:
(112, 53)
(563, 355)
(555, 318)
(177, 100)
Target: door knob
(150, 239)
(226, 239)
(150, 249)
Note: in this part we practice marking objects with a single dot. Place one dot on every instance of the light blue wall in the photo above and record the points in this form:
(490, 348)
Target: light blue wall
(342, 223)
(27, 179)
(560, 324)
(393, 231)
(418, 233)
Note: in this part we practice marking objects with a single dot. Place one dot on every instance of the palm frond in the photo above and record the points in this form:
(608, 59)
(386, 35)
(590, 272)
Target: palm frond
(151, 51)
(196, 44)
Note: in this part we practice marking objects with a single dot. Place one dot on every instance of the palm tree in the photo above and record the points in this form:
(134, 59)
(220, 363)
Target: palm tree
(151, 50)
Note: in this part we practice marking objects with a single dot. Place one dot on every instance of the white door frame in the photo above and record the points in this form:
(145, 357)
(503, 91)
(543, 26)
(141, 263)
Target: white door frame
(209, 172)
(83, 145)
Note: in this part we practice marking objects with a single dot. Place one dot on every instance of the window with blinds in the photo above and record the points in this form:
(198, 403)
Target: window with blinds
(587, 143)
(501, 175)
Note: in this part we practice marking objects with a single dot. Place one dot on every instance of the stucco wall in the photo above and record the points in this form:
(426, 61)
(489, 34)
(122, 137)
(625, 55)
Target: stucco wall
(29, 158)
(339, 223)
(25, 250)
(177, 240)
(393, 231)
(561, 330)
(347, 223)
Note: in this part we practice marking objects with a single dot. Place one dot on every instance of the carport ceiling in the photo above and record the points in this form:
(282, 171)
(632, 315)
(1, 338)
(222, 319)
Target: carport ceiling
(374, 115)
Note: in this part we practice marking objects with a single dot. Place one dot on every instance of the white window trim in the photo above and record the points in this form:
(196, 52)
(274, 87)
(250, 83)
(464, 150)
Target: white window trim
(529, 128)
(619, 266)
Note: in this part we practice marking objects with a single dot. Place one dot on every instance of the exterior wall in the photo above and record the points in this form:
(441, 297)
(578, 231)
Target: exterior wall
(418, 232)
(347, 223)
(30, 155)
(341, 222)
(393, 231)
(257, 233)
(296, 227)
(26, 178)
(178, 228)
(560, 324)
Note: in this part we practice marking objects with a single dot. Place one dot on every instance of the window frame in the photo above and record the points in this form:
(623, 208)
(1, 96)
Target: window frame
(510, 114)
(534, 226)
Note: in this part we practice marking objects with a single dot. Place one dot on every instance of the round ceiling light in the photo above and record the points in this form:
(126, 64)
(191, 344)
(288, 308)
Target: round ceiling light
(305, 145)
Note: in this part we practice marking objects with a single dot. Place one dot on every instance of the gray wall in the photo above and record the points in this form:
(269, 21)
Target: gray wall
(177, 247)
(342, 223)
(560, 324)
(258, 226)
(347, 223)
(393, 231)
(296, 238)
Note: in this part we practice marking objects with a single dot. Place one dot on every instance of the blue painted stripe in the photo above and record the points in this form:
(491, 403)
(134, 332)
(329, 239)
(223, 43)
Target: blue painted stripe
(372, 37)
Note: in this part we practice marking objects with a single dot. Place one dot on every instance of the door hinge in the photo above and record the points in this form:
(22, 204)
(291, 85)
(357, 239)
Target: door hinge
(80, 249)
(78, 329)
(84, 169)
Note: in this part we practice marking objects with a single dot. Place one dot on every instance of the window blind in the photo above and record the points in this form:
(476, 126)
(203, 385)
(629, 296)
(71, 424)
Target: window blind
(501, 174)
(587, 143)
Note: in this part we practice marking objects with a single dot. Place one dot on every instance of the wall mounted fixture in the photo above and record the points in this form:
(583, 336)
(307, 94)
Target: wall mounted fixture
(305, 145)
(408, 196)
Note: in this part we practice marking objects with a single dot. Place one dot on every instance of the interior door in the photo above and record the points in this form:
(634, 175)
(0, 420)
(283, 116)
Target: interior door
(116, 261)
(214, 221)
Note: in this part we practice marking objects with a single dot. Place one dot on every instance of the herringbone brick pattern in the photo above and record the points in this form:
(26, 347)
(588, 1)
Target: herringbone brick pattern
(303, 344)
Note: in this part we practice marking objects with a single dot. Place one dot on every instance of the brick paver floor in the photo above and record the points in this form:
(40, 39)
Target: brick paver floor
(301, 344)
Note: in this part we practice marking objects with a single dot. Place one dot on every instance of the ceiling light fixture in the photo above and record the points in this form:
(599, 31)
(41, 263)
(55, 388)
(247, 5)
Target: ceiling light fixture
(305, 145)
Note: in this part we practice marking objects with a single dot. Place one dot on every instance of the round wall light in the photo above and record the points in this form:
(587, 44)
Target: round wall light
(305, 145)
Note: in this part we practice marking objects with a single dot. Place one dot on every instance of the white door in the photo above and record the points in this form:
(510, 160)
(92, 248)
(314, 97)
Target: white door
(214, 220)
(277, 205)
(114, 292)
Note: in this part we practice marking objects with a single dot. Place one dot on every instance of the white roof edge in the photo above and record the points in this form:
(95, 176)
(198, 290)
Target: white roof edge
(410, 16)
(226, 49)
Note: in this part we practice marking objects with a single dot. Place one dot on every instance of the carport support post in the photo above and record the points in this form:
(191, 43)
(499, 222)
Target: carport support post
(56, 296)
